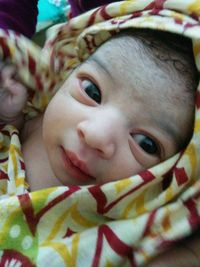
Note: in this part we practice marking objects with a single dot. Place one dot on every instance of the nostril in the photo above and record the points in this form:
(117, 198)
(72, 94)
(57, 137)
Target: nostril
(99, 151)
(80, 133)
(106, 151)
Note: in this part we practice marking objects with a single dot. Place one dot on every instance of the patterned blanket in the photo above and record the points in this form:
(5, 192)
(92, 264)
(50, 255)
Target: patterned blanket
(122, 223)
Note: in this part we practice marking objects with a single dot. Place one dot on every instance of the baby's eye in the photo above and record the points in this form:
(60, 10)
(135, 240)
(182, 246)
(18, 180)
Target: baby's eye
(146, 143)
(91, 90)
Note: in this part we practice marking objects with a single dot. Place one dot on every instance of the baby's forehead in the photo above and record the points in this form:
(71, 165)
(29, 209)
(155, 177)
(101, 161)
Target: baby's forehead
(130, 65)
(150, 65)
(162, 48)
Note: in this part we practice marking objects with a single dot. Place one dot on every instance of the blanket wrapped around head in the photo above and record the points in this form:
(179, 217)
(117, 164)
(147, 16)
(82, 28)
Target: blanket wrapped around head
(122, 223)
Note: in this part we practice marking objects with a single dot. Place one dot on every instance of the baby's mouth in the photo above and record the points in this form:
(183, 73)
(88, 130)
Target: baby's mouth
(76, 167)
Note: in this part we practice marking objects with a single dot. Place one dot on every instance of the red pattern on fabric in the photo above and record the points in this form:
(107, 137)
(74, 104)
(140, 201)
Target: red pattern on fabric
(31, 64)
(149, 223)
(103, 13)
(198, 100)
(38, 82)
(3, 160)
(3, 175)
(191, 25)
(92, 18)
(88, 44)
(155, 11)
(22, 164)
(181, 176)
(10, 256)
(195, 16)
(147, 176)
(178, 21)
(115, 243)
(100, 197)
(157, 5)
(5, 48)
(69, 233)
(52, 86)
(27, 207)
(194, 218)
(28, 211)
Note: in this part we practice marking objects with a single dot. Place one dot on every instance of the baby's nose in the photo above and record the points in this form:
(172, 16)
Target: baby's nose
(99, 141)
(100, 133)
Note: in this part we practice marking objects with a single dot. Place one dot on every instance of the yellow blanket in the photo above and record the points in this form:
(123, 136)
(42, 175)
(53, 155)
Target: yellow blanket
(122, 223)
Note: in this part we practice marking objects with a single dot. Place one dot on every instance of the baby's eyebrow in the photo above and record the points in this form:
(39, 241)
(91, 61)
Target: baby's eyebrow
(102, 64)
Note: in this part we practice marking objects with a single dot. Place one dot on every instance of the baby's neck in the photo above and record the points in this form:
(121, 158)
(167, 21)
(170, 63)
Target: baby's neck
(30, 127)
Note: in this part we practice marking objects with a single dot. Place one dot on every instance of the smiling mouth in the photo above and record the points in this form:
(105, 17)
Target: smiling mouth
(75, 167)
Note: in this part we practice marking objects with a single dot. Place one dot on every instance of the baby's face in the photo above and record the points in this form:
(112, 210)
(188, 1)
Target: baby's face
(114, 117)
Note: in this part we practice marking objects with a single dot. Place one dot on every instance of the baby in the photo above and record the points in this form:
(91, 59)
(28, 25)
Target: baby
(127, 108)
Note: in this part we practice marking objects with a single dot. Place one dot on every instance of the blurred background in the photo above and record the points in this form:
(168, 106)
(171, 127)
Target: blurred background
(50, 12)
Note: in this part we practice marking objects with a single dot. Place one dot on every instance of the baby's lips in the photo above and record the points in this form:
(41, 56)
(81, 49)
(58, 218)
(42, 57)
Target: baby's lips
(75, 161)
